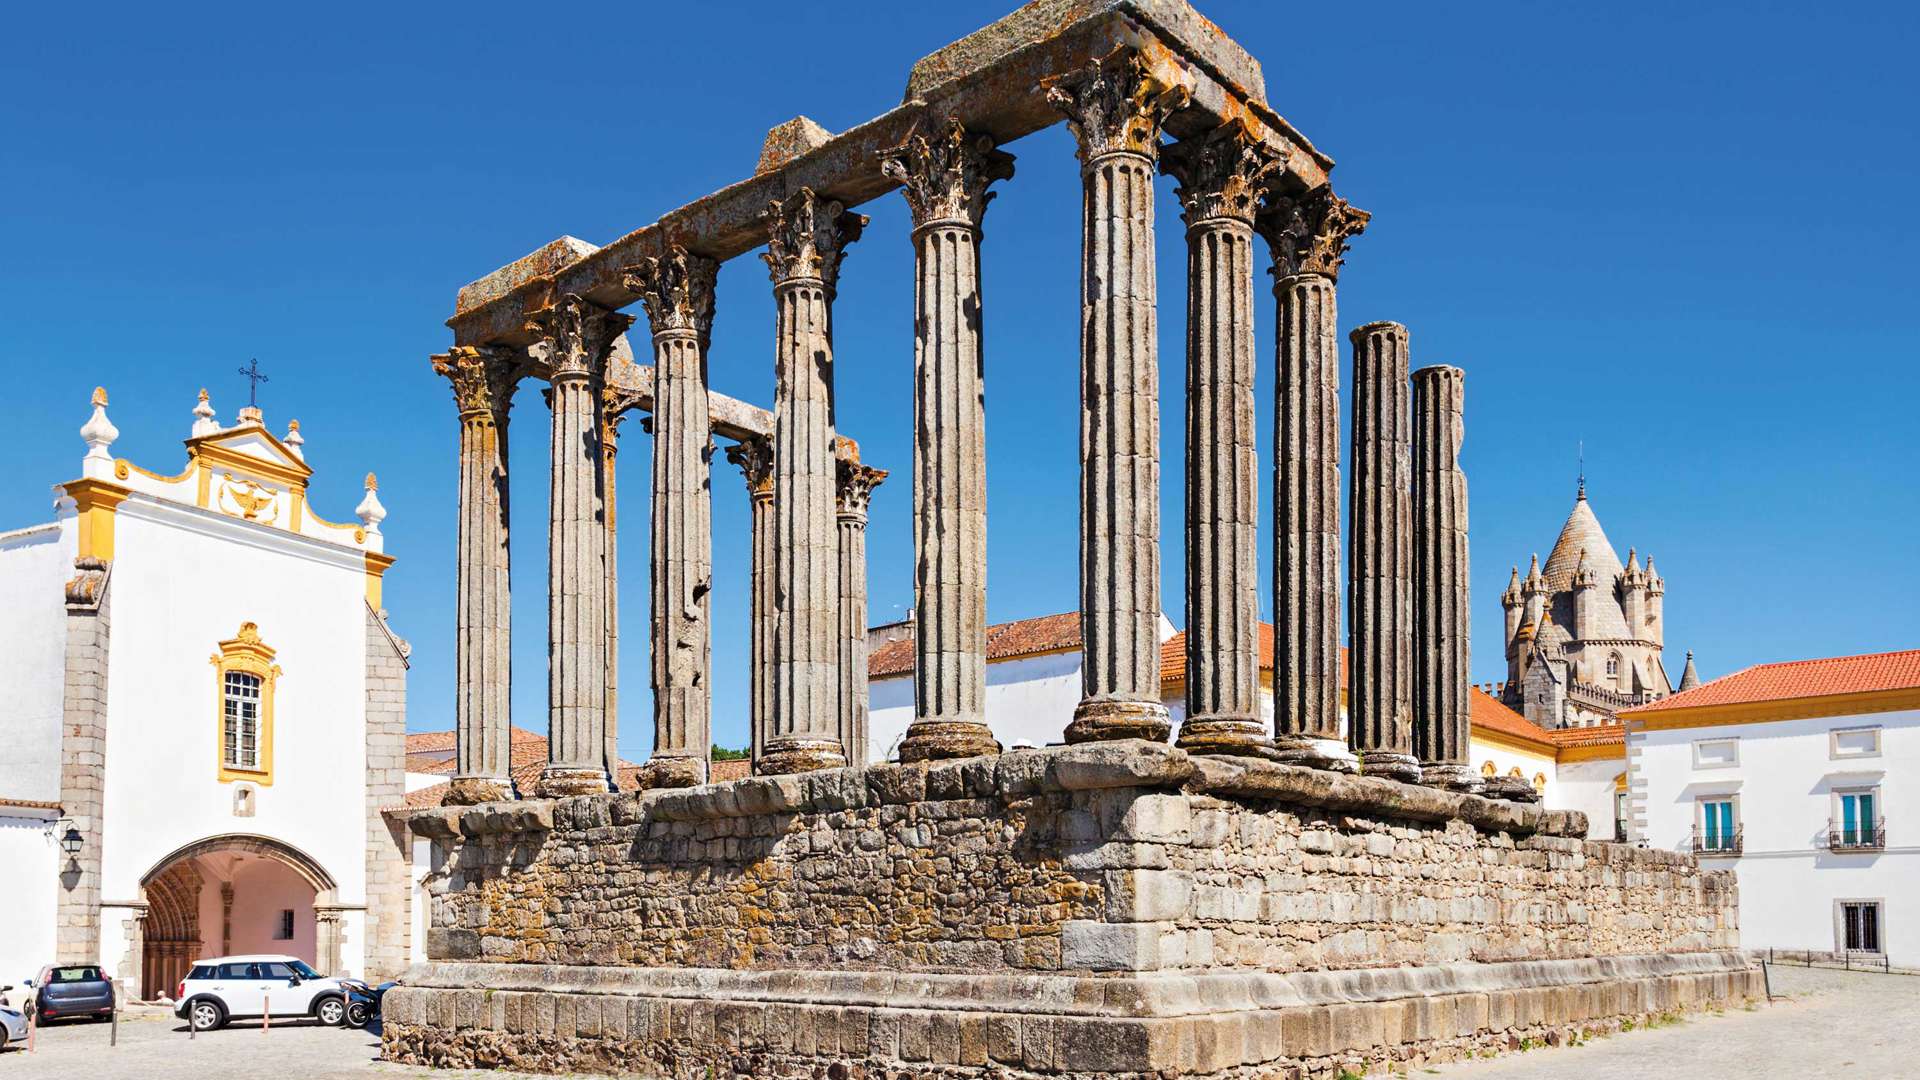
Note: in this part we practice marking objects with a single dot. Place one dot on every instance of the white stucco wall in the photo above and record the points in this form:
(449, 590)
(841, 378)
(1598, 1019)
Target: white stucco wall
(184, 580)
(1588, 786)
(1784, 783)
(31, 862)
(1029, 699)
(35, 564)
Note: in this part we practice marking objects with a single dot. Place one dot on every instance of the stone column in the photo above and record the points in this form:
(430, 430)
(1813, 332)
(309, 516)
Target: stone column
(577, 338)
(854, 492)
(755, 458)
(483, 384)
(1115, 107)
(678, 294)
(806, 239)
(83, 760)
(945, 180)
(610, 421)
(1380, 560)
(1441, 709)
(1220, 176)
(1307, 239)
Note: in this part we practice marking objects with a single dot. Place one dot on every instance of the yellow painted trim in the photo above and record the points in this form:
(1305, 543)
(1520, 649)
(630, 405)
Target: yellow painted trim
(318, 520)
(376, 568)
(95, 502)
(222, 457)
(206, 484)
(213, 443)
(244, 652)
(1515, 743)
(1620, 782)
(1760, 712)
(1601, 752)
(122, 467)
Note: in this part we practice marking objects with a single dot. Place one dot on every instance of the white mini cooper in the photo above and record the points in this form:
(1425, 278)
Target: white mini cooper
(231, 987)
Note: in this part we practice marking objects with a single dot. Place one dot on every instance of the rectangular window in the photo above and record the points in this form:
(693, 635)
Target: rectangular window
(1717, 831)
(1716, 753)
(285, 932)
(1854, 743)
(241, 730)
(1620, 816)
(1858, 823)
(1861, 925)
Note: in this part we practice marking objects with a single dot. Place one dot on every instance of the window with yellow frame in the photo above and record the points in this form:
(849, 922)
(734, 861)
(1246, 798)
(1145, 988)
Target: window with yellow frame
(243, 682)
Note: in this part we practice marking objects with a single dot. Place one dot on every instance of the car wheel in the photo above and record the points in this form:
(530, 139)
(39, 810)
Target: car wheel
(330, 1011)
(357, 1014)
(206, 1015)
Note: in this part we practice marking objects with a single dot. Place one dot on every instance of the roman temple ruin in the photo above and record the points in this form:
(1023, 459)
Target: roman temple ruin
(1224, 900)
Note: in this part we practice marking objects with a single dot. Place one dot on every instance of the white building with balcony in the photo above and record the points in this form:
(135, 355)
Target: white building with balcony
(1802, 777)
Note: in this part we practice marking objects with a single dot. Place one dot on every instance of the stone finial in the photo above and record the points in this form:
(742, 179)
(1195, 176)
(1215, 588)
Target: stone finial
(203, 421)
(294, 440)
(251, 414)
(807, 236)
(677, 290)
(1309, 233)
(793, 139)
(945, 177)
(577, 334)
(855, 488)
(482, 377)
(1116, 104)
(1221, 173)
(98, 433)
(370, 512)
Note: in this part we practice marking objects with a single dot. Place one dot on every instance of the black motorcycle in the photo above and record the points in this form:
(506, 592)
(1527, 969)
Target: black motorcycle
(363, 1004)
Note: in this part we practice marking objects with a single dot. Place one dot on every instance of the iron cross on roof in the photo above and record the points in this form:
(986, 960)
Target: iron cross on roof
(254, 379)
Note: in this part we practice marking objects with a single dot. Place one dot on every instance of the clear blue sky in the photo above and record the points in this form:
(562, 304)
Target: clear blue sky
(1685, 236)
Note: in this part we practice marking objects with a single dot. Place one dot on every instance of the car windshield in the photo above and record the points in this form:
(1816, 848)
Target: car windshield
(75, 974)
(304, 971)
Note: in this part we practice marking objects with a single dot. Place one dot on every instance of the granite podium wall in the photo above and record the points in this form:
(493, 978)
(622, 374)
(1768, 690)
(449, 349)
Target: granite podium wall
(1114, 909)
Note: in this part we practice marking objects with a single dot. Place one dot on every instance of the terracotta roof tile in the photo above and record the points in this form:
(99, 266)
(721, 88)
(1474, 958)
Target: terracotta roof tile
(1025, 637)
(1485, 713)
(1798, 679)
(29, 804)
(1602, 735)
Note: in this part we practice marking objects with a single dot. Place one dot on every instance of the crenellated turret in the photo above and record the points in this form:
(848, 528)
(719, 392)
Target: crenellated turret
(1510, 602)
(1585, 599)
(1633, 595)
(1655, 628)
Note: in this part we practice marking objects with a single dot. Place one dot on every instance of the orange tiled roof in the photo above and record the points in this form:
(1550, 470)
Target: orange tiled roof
(1601, 735)
(1798, 679)
(432, 751)
(1487, 714)
(1024, 637)
(29, 804)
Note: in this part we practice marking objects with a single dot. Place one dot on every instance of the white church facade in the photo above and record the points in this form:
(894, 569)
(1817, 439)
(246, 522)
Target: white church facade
(206, 715)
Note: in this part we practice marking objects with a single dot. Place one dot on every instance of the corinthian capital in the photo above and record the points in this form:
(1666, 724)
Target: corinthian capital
(754, 455)
(945, 178)
(578, 335)
(482, 378)
(855, 488)
(1221, 173)
(807, 237)
(1309, 233)
(1115, 105)
(677, 290)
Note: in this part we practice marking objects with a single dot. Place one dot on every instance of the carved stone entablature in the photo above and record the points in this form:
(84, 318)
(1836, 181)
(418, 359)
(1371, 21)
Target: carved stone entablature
(807, 237)
(482, 377)
(945, 178)
(677, 291)
(755, 458)
(1309, 233)
(577, 335)
(855, 488)
(1221, 173)
(1115, 105)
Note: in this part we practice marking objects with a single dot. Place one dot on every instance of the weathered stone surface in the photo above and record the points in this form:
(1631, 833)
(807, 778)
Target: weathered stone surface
(788, 141)
(854, 491)
(1441, 616)
(754, 456)
(1380, 557)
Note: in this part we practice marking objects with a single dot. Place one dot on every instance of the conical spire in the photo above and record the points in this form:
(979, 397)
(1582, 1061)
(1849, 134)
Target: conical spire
(1689, 678)
(1581, 531)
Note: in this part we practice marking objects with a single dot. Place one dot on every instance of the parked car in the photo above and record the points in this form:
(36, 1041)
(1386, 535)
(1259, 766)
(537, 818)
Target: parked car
(230, 987)
(13, 1024)
(71, 990)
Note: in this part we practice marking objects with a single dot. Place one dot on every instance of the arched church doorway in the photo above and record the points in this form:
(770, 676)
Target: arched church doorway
(234, 894)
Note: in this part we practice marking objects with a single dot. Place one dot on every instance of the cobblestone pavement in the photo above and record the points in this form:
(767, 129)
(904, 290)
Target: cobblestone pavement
(1824, 1023)
(1827, 1023)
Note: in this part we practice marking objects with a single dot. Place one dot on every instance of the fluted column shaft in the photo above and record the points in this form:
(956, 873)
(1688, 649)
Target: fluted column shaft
(1219, 174)
(1307, 239)
(855, 492)
(945, 178)
(483, 648)
(1115, 107)
(578, 337)
(678, 293)
(755, 458)
(1441, 709)
(806, 237)
(609, 451)
(1380, 556)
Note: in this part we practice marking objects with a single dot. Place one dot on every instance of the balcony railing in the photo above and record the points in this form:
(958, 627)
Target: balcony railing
(1717, 843)
(1858, 837)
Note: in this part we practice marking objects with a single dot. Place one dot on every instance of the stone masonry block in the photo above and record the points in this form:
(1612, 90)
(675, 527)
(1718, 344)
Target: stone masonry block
(1147, 895)
(1155, 819)
(1099, 946)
